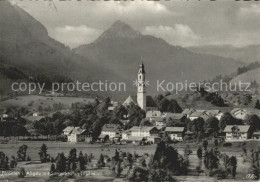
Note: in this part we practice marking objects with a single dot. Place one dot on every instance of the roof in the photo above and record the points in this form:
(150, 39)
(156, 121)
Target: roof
(235, 110)
(78, 131)
(197, 113)
(256, 133)
(175, 116)
(130, 99)
(241, 128)
(142, 128)
(68, 129)
(111, 127)
(188, 111)
(111, 108)
(213, 112)
(153, 114)
(150, 101)
(135, 138)
(174, 129)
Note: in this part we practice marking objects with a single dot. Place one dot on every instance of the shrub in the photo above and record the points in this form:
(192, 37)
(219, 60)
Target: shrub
(227, 144)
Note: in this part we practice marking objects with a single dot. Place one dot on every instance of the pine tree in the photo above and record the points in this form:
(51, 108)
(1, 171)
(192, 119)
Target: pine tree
(52, 170)
(257, 104)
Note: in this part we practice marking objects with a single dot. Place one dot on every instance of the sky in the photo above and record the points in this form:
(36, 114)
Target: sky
(179, 22)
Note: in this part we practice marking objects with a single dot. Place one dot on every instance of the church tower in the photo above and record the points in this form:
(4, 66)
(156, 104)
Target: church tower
(141, 92)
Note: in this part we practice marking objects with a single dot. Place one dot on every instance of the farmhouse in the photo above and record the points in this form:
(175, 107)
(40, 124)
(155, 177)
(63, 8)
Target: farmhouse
(242, 113)
(199, 114)
(175, 133)
(188, 111)
(77, 135)
(68, 130)
(153, 114)
(237, 132)
(143, 131)
(111, 130)
(256, 135)
(174, 117)
(239, 113)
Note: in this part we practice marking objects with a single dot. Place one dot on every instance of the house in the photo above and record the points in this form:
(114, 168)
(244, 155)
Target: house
(68, 130)
(199, 114)
(77, 135)
(125, 135)
(188, 111)
(175, 133)
(153, 114)
(242, 113)
(35, 114)
(160, 122)
(143, 131)
(154, 139)
(237, 132)
(239, 113)
(219, 115)
(111, 130)
(111, 108)
(174, 117)
(256, 135)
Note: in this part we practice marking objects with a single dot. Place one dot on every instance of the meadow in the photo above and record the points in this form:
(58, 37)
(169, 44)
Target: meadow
(39, 172)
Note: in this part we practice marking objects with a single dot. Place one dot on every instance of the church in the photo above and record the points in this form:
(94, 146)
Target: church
(145, 102)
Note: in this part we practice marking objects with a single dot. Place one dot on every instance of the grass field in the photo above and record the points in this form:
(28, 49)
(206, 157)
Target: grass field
(96, 149)
(34, 101)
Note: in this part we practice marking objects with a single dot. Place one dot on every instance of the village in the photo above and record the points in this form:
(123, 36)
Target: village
(135, 129)
(157, 122)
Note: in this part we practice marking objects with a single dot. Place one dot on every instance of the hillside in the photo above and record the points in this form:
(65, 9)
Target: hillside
(247, 54)
(248, 77)
(121, 49)
(26, 45)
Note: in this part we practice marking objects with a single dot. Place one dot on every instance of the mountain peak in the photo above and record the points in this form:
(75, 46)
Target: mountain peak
(119, 29)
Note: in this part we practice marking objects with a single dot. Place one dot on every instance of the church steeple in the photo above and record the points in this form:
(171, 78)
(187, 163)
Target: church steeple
(141, 91)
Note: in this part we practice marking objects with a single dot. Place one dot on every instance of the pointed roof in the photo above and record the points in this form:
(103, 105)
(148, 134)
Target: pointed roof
(242, 128)
(130, 99)
(150, 101)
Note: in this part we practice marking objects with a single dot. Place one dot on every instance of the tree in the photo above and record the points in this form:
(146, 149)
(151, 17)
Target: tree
(257, 104)
(167, 158)
(116, 157)
(44, 157)
(72, 159)
(101, 161)
(60, 163)
(199, 153)
(28, 158)
(52, 169)
(216, 142)
(212, 125)
(228, 119)
(19, 130)
(21, 153)
(253, 121)
(233, 164)
(146, 122)
(205, 144)
(118, 169)
(81, 162)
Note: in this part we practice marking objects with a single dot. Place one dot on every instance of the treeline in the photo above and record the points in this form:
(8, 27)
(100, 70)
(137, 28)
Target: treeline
(247, 68)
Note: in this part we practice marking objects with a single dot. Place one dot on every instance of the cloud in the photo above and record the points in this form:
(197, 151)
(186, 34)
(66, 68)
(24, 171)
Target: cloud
(75, 35)
(178, 35)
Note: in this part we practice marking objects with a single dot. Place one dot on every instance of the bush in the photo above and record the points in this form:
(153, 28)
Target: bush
(227, 144)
